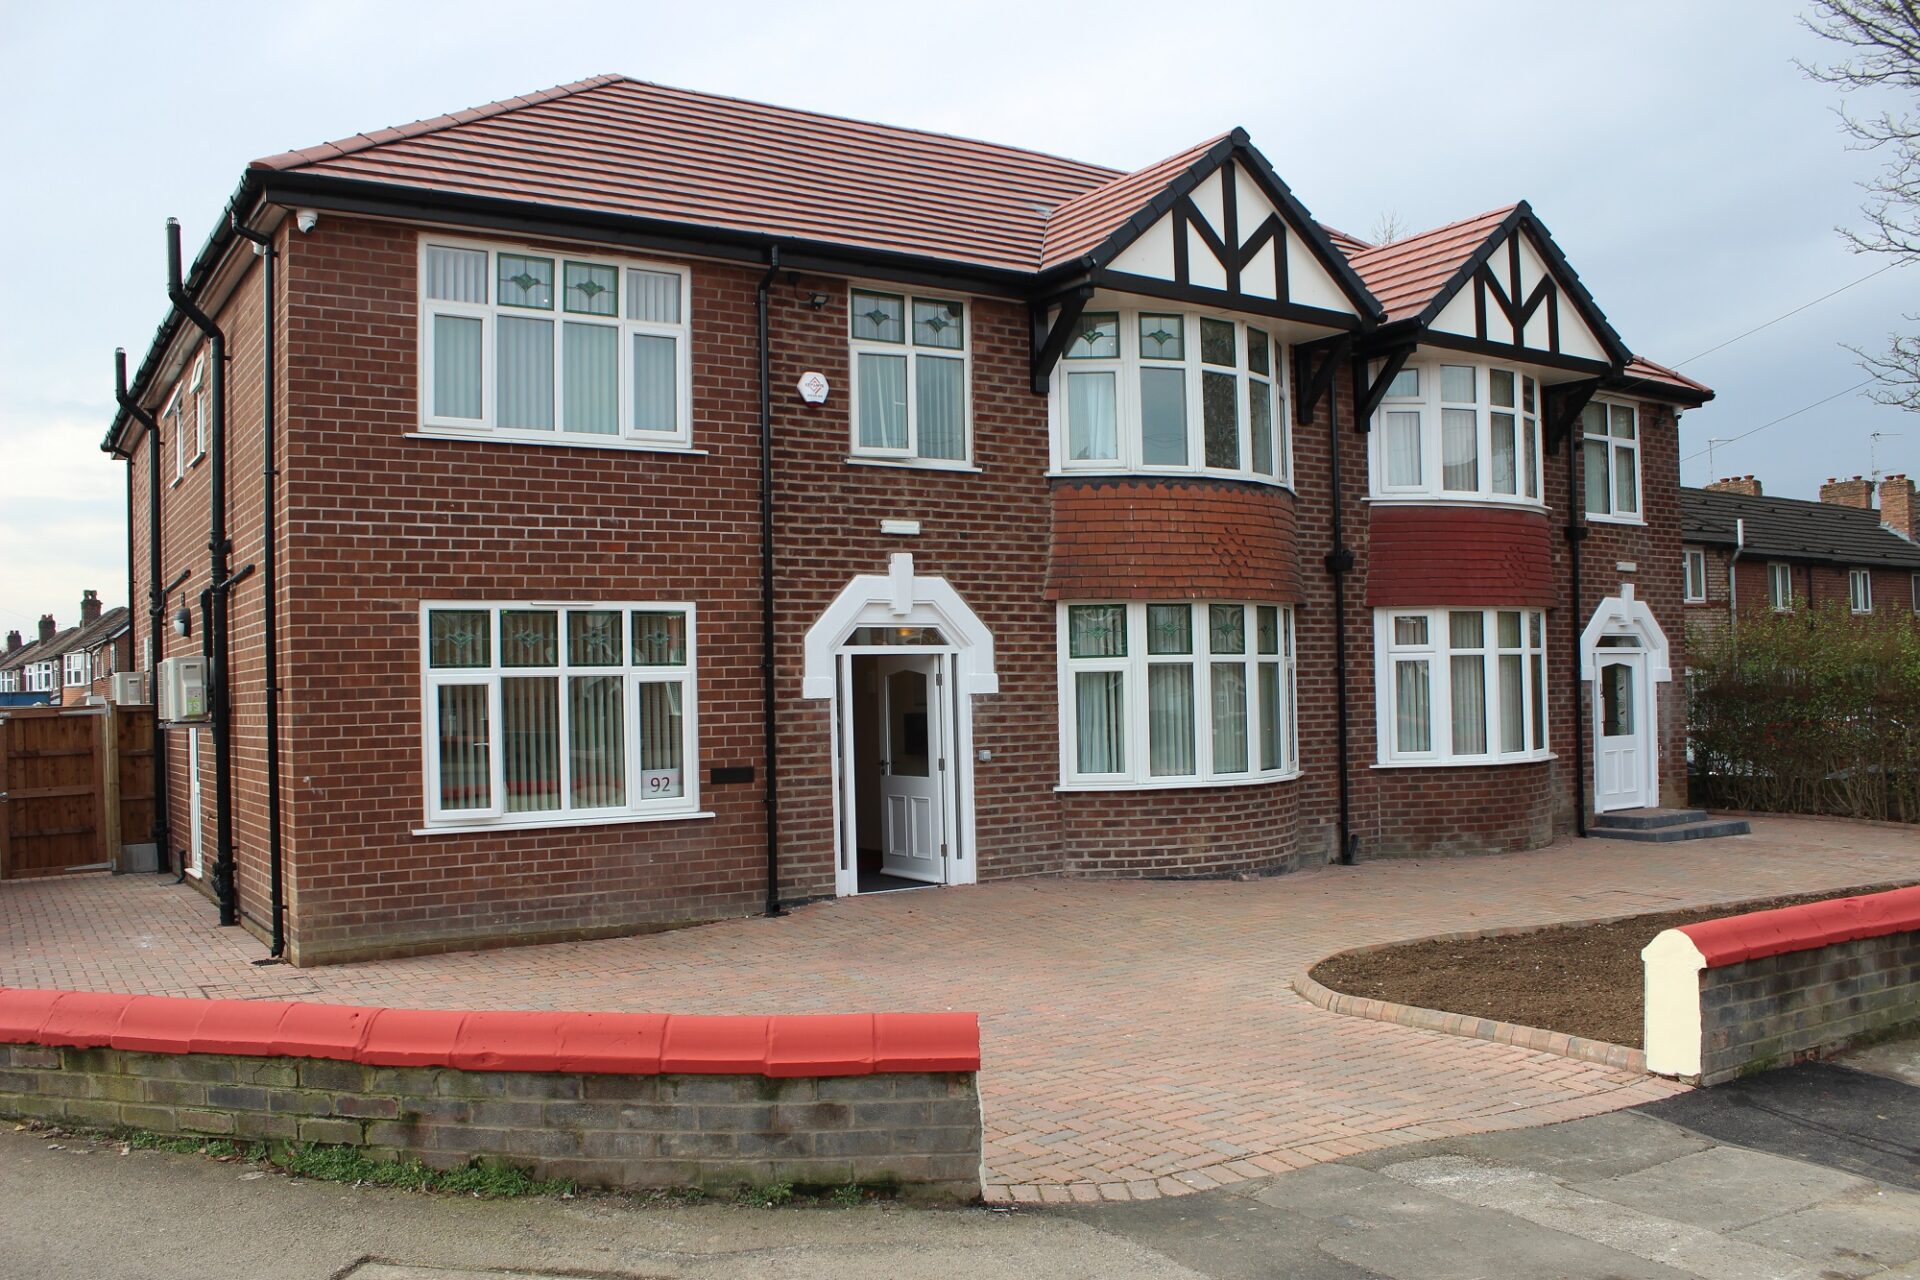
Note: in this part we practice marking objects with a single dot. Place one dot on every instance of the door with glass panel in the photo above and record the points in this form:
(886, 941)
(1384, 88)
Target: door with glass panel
(913, 767)
(1620, 733)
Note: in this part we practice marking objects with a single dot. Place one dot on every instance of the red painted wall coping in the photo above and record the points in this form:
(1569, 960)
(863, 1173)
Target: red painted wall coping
(1802, 928)
(853, 1044)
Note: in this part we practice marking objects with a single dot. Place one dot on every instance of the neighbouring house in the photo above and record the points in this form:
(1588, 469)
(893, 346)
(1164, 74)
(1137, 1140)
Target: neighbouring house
(31, 674)
(70, 667)
(1745, 551)
(1128, 524)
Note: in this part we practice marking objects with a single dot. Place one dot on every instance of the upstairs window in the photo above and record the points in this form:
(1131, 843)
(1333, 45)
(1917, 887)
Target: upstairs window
(202, 406)
(1696, 562)
(1780, 586)
(1461, 686)
(1610, 436)
(910, 376)
(1916, 593)
(76, 673)
(173, 424)
(1860, 590)
(1458, 431)
(1172, 391)
(535, 345)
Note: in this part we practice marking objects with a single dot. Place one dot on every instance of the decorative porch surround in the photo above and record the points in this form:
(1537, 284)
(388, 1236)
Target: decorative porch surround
(604, 1099)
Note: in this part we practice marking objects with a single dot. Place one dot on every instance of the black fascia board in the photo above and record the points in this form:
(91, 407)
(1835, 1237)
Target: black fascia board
(1519, 355)
(1153, 287)
(1315, 235)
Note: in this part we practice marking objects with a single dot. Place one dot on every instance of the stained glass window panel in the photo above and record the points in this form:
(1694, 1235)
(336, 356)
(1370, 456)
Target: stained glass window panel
(1097, 631)
(529, 638)
(592, 289)
(594, 638)
(1218, 343)
(459, 638)
(659, 638)
(1096, 337)
(1163, 337)
(939, 324)
(1169, 628)
(1268, 629)
(525, 281)
(1226, 629)
(879, 317)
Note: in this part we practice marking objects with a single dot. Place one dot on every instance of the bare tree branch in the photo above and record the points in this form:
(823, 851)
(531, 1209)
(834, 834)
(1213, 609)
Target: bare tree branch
(1388, 227)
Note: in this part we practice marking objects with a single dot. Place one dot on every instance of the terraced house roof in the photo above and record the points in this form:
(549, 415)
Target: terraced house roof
(1794, 529)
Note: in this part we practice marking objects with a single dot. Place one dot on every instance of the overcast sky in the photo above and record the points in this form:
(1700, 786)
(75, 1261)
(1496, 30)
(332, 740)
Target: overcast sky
(1692, 175)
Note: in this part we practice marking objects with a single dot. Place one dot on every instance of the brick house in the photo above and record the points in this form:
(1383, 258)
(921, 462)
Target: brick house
(1119, 524)
(68, 667)
(1745, 551)
(27, 669)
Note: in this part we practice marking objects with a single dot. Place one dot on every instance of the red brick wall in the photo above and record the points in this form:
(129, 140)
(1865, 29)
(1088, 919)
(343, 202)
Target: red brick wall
(1459, 555)
(1140, 538)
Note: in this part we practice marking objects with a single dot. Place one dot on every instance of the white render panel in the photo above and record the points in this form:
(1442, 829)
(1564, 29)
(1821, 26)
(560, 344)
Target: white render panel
(1533, 269)
(1672, 965)
(1457, 315)
(1206, 198)
(1203, 269)
(1576, 339)
(1256, 278)
(1308, 283)
(1251, 203)
(1151, 254)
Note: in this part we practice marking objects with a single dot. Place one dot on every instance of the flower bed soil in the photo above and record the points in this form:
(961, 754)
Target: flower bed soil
(1585, 980)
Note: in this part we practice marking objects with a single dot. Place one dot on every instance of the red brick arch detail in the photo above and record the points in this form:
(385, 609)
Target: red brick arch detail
(1458, 555)
(1129, 538)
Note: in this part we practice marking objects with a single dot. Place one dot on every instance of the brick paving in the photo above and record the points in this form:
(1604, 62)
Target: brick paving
(1141, 1038)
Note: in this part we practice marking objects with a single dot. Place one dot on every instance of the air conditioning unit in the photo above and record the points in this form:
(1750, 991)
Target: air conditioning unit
(130, 689)
(183, 689)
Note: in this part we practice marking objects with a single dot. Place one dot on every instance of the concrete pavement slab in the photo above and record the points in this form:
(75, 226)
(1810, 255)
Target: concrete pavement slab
(1878, 1228)
(1726, 1188)
(1604, 1146)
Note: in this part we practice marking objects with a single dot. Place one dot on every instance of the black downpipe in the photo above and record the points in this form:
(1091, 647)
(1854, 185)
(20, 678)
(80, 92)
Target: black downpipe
(269, 485)
(1339, 564)
(1576, 533)
(161, 833)
(214, 601)
(770, 788)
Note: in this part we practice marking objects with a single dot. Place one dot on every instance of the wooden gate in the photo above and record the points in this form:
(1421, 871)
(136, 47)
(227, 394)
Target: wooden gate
(69, 780)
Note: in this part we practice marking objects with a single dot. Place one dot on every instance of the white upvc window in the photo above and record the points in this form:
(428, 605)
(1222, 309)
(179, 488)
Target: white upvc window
(1461, 686)
(1177, 694)
(1860, 590)
(9, 682)
(912, 377)
(1780, 586)
(1161, 390)
(1610, 439)
(1696, 589)
(173, 418)
(40, 678)
(1916, 593)
(533, 344)
(201, 395)
(76, 671)
(1458, 431)
(543, 714)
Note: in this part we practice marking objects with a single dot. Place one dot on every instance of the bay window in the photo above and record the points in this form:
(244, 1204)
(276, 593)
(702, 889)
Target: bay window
(1162, 390)
(1176, 694)
(547, 346)
(1610, 439)
(1461, 686)
(1458, 430)
(910, 377)
(544, 715)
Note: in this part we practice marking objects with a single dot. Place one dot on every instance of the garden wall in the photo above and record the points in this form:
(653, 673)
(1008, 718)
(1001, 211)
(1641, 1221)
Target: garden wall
(1747, 993)
(605, 1099)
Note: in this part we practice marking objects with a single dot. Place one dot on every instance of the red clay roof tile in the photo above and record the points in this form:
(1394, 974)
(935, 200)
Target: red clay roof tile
(1406, 274)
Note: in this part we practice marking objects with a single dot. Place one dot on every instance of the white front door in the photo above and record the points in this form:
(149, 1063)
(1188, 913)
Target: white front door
(196, 863)
(913, 765)
(1622, 743)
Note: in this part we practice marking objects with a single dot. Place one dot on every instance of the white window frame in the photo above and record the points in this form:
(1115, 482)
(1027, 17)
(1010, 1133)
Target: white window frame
(1860, 590)
(1436, 654)
(40, 677)
(1780, 586)
(1615, 446)
(912, 352)
(1138, 775)
(202, 409)
(9, 681)
(75, 674)
(1916, 593)
(174, 418)
(1430, 405)
(1696, 573)
(1129, 425)
(626, 436)
(496, 816)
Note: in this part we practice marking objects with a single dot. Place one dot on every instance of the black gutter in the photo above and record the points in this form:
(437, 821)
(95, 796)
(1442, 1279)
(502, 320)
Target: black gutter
(1339, 564)
(219, 584)
(269, 536)
(161, 832)
(770, 789)
(1576, 534)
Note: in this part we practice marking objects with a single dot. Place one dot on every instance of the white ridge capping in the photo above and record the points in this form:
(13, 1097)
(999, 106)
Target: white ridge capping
(1672, 964)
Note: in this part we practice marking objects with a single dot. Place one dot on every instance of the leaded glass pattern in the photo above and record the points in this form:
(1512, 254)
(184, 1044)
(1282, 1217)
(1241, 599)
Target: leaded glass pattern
(525, 281)
(659, 639)
(938, 324)
(459, 638)
(878, 317)
(592, 289)
(1226, 628)
(1097, 631)
(1096, 337)
(1169, 628)
(1163, 337)
(594, 638)
(529, 638)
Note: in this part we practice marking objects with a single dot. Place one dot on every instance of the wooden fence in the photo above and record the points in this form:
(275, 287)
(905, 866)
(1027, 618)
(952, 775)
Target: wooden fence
(76, 783)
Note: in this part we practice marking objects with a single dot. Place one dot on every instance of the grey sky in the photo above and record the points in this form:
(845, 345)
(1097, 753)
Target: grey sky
(1692, 175)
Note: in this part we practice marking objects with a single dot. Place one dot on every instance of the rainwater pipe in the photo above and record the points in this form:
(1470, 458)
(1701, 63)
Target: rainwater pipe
(161, 832)
(1576, 534)
(769, 788)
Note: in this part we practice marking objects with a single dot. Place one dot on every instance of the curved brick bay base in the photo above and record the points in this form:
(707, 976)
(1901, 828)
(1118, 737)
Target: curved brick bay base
(1139, 1039)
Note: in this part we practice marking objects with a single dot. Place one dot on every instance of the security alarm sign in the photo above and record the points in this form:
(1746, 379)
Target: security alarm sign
(814, 387)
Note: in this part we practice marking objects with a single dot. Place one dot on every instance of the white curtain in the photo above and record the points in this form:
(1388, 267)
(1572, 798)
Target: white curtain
(524, 373)
(1170, 719)
(598, 746)
(1460, 449)
(1100, 721)
(940, 401)
(1594, 464)
(1626, 482)
(1469, 704)
(456, 275)
(530, 741)
(656, 389)
(1260, 423)
(1092, 423)
(653, 296)
(1505, 479)
(661, 763)
(1403, 447)
(1271, 717)
(1413, 706)
(1229, 717)
(456, 368)
(591, 359)
(466, 767)
(883, 401)
(1513, 722)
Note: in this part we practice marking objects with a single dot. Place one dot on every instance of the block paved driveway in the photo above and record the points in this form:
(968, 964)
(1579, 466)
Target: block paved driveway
(1141, 1038)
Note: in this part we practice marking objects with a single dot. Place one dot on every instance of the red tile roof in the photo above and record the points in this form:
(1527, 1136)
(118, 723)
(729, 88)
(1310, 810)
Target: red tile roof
(626, 146)
(1642, 370)
(1347, 244)
(1083, 223)
(1406, 274)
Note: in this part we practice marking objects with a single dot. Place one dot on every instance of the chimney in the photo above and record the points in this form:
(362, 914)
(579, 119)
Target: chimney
(89, 607)
(1856, 492)
(1897, 507)
(47, 627)
(13, 642)
(1737, 484)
